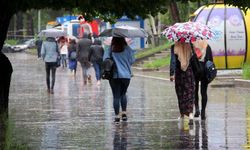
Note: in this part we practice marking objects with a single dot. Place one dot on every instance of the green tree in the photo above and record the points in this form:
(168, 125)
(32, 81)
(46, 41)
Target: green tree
(109, 9)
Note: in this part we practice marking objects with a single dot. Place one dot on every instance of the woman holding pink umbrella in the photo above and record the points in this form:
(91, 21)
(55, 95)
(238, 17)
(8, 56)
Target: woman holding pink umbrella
(181, 71)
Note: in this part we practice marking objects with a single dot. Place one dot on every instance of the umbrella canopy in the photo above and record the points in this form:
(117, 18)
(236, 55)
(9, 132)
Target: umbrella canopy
(107, 41)
(52, 33)
(124, 31)
(189, 32)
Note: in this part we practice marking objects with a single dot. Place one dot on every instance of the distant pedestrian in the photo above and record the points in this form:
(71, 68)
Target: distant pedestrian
(181, 71)
(63, 48)
(96, 58)
(38, 47)
(83, 50)
(206, 54)
(123, 56)
(72, 56)
(49, 53)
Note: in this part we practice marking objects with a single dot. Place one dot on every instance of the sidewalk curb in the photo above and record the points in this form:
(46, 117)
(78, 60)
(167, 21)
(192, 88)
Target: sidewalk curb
(151, 77)
(242, 83)
(223, 81)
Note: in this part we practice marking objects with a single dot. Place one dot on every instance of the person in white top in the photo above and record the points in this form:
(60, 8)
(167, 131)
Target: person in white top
(63, 47)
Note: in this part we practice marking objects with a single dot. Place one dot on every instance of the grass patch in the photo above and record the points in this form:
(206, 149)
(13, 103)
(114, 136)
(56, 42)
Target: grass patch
(11, 42)
(246, 71)
(158, 63)
(9, 135)
(151, 51)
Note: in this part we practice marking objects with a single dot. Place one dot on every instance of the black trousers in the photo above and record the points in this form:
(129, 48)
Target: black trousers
(119, 89)
(50, 67)
(203, 88)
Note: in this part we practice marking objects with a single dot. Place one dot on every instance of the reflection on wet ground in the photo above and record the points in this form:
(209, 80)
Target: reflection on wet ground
(81, 116)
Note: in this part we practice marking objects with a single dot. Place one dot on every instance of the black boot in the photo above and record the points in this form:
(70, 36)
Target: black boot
(197, 112)
(203, 115)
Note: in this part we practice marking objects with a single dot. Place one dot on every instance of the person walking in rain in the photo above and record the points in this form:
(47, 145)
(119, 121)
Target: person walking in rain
(72, 56)
(83, 49)
(38, 47)
(49, 53)
(96, 57)
(205, 55)
(63, 50)
(123, 57)
(181, 71)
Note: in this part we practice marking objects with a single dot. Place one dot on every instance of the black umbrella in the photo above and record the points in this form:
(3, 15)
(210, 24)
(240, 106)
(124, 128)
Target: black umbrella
(124, 31)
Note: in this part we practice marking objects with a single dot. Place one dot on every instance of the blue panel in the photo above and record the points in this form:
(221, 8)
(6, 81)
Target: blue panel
(75, 28)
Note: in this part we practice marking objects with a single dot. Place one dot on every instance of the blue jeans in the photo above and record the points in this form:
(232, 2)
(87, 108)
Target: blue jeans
(119, 89)
(97, 68)
(64, 60)
(85, 72)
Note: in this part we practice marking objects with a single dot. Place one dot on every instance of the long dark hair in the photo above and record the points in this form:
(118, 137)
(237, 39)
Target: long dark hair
(118, 44)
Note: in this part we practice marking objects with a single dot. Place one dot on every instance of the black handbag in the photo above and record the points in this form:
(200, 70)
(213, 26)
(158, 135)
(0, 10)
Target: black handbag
(107, 68)
(210, 71)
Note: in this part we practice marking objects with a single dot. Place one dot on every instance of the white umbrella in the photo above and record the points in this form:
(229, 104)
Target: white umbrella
(124, 31)
(52, 33)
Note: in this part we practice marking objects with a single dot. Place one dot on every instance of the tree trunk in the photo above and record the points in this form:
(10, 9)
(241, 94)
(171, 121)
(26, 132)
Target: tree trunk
(4, 24)
(159, 28)
(174, 12)
(19, 25)
(29, 26)
(153, 27)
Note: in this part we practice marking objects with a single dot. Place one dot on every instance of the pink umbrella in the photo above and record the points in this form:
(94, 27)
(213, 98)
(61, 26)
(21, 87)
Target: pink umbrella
(188, 32)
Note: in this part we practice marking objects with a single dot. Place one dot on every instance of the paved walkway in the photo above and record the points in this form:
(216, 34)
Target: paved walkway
(81, 116)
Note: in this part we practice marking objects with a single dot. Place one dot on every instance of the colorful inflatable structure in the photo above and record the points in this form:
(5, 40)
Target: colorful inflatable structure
(232, 49)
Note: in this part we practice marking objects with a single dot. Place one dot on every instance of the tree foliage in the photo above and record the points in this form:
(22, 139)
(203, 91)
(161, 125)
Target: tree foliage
(108, 10)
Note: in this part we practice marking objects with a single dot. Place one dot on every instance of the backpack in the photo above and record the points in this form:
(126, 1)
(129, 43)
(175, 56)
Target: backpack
(210, 71)
(108, 68)
(72, 55)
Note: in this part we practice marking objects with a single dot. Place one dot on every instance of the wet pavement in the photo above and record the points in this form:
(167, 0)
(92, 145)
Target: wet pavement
(81, 116)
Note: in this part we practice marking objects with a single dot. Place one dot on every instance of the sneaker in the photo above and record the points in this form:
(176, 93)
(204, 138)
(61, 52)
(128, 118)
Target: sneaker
(197, 114)
(98, 82)
(191, 122)
(124, 117)
(117, 120)
(203, 115)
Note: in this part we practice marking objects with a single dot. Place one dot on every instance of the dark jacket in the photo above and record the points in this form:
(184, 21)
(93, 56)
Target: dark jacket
(71, 49)
(174, 63)
(83, 49)
(39, 43)
(209, 56)
(96, 52)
